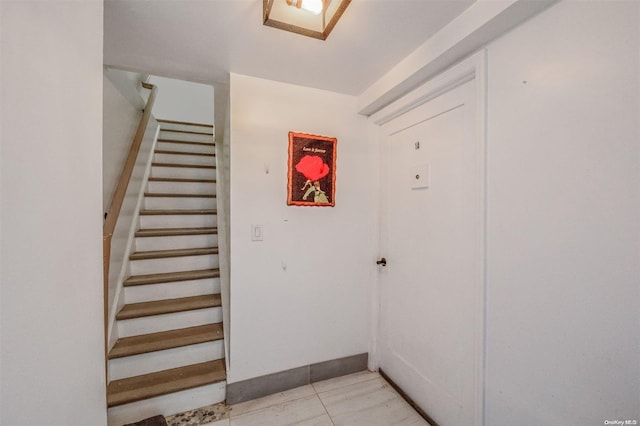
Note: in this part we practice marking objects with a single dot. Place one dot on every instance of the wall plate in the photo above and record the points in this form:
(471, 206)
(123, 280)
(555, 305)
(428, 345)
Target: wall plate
(420, 176)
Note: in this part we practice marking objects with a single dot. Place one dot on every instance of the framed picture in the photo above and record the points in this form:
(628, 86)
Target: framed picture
(312, 170)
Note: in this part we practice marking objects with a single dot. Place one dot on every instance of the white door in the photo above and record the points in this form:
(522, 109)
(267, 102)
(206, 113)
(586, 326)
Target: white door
(430, 338)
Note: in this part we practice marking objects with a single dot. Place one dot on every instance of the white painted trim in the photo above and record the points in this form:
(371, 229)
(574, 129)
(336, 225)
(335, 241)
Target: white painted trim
(481, 297)
(481, 23)
(374, 314)
(223, 248)
(223, 201)
(472, 69)
(455, 76)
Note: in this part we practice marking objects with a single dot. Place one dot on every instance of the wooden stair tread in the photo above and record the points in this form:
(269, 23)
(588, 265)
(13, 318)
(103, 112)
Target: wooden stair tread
(168, 306)
(177, 195)
(175, 212)
(190, 132)
(184, 123)
(137, 388)
(168, 277)
(164, 151)
(168, 232)
(194, 166)
(186, 142)
(159, 254)
(145, 343)
(164, 179)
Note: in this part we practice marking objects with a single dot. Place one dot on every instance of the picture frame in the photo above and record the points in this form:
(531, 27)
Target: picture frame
(311, 177)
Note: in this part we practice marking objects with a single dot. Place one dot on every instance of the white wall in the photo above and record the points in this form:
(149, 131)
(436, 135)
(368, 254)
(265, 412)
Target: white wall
(122, 115)
(52, 365)
(129, 84)
(183, 100)
(317, 309)
(563, 208)
(122, 111)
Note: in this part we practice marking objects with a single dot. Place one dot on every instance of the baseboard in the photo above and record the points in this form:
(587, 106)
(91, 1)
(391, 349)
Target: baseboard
(406, 397)
(284, 380)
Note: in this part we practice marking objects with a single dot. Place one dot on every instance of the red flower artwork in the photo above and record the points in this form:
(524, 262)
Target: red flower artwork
(312, 167)
(311, 170)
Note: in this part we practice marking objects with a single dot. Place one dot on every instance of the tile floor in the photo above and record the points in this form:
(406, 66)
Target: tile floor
(360, 399)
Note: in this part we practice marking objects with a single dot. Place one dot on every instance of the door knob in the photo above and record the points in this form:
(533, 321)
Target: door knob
(382, 261)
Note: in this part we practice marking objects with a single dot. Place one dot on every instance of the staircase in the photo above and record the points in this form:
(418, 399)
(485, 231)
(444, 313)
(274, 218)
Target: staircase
(169, 357)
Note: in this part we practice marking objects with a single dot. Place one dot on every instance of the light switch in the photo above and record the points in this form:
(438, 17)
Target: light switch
(256, 233)
(420, 176)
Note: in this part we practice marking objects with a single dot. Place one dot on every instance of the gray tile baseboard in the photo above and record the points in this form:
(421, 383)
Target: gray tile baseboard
(278, 382)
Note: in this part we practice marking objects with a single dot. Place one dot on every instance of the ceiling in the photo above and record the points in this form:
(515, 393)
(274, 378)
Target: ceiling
(205, 40)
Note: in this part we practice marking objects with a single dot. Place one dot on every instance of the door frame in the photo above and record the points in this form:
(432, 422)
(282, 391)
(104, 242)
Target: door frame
(474, 68)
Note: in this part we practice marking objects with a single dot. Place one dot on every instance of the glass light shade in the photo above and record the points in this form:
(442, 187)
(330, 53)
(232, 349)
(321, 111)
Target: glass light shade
(313, 6)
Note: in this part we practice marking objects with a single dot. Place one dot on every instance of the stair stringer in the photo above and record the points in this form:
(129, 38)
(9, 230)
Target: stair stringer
(223, 192)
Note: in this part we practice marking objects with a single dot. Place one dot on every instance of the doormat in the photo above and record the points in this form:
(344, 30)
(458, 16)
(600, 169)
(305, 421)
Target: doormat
(200, 416)
(151, 421)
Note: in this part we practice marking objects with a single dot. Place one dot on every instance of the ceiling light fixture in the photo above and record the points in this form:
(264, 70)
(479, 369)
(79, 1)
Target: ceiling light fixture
(311, 18)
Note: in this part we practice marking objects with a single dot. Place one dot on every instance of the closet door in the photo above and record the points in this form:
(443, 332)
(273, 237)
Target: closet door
(431, 297)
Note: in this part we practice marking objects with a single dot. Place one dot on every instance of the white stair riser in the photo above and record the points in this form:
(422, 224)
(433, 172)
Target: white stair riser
(185, 147)
(208, 188)
(173, 264)
(172, 290)
(177, 136)
(203, 160)
(151, 362)
(167, 405)
(178, 221)
(176, 203)
(187, 127)
(183, 172)
(157, 323)
(176, 242)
